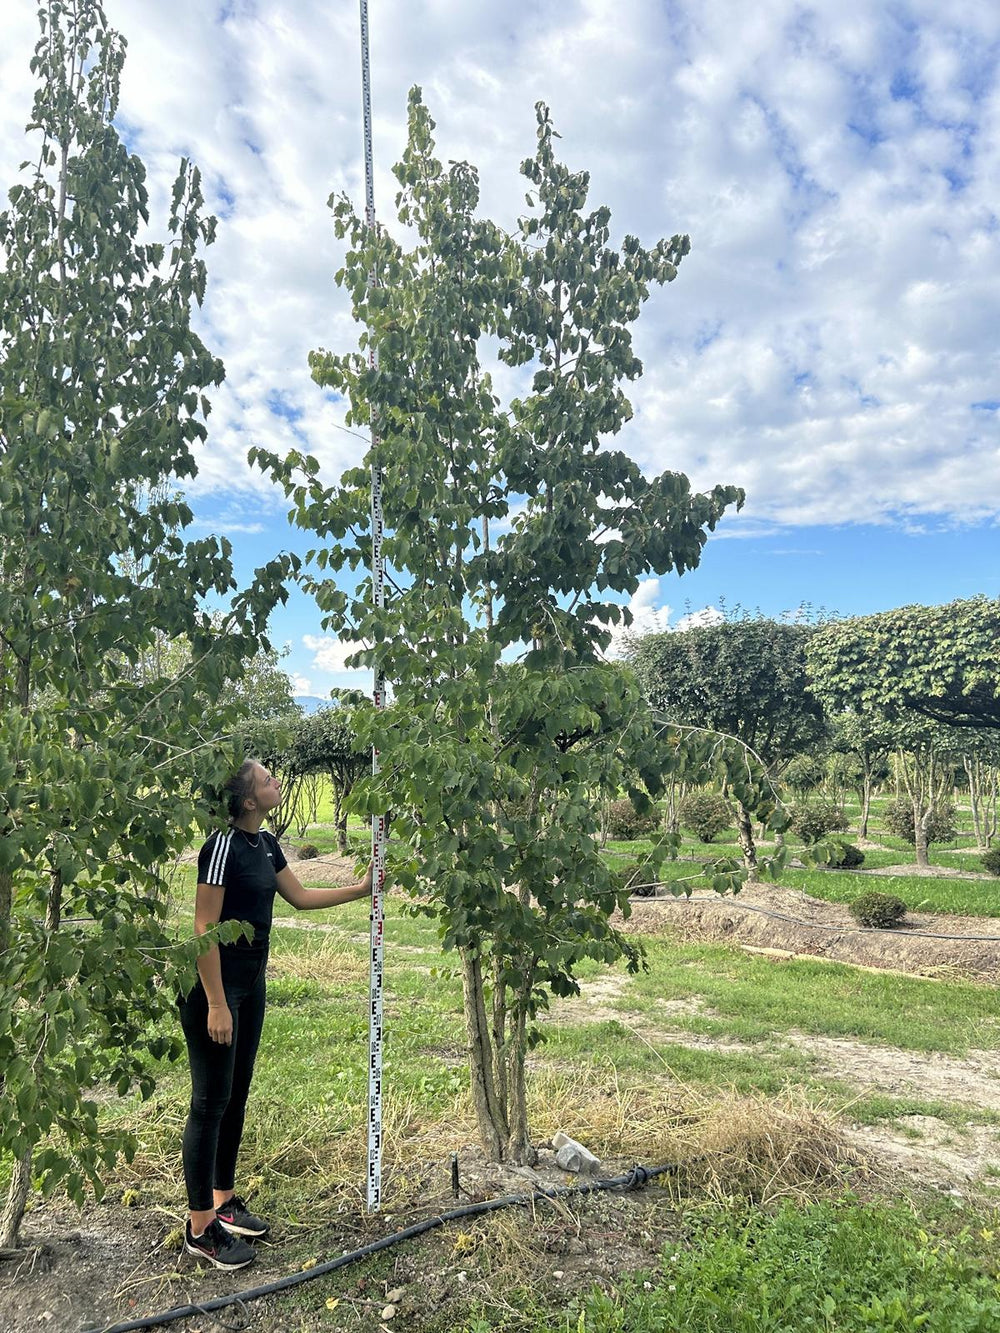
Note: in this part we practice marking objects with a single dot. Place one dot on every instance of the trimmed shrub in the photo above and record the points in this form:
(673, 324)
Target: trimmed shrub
(625, 822)
(814, 821)
(898, 819)
(879, 910)
(845, 856)
(308, 852)
(991, 861)
(705, 813)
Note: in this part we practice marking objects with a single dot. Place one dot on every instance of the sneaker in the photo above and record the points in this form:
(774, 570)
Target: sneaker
(218, 1246)
(234, 1217)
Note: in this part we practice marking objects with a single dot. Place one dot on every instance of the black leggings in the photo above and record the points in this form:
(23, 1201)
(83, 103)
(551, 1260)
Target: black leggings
(220, 1075)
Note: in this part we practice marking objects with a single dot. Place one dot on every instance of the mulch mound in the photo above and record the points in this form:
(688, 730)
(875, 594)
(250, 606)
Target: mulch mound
(770, 917)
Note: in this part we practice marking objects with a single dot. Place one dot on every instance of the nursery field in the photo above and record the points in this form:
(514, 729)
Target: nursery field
(836, 1132)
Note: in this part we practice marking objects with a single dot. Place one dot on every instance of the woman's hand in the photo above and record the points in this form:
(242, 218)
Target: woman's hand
(366, 883)
(220, 1024)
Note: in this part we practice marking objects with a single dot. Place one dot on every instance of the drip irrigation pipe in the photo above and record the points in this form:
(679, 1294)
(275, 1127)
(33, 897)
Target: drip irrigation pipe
(633, 1179)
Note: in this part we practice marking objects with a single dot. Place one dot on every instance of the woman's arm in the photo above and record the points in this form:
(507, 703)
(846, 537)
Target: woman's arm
(207, 910)
(309, 899)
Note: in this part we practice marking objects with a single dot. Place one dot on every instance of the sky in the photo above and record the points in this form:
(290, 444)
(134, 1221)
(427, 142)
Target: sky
(830, 343)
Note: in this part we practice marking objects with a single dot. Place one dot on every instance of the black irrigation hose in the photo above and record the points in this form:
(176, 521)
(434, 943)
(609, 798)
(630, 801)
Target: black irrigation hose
(638, 1176)
(901, 932)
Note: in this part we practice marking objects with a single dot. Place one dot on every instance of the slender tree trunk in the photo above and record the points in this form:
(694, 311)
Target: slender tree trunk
(521, 1150)
(744, 831)
(920, 835)
(493, 1129)
(17, 1199)
(500, 1036)
(6, 907)
(866, 805)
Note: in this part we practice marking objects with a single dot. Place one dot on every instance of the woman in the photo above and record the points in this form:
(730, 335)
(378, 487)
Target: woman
(239, 872)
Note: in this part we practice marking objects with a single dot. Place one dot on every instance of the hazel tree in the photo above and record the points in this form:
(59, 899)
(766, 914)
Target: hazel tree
(102, 759)
(504, 717)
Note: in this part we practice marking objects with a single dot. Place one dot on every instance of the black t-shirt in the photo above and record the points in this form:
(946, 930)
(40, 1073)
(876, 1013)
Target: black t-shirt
(246, 868)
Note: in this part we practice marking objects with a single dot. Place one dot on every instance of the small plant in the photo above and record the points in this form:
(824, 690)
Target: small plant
(898, 819)
(308, 852)
(816, 819)
(626, 823)
(845, 856)
(881, 911)
(706, 814)
(991, 861)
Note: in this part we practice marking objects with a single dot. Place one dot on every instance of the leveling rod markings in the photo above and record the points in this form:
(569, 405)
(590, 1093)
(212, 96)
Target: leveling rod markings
(374, 1190)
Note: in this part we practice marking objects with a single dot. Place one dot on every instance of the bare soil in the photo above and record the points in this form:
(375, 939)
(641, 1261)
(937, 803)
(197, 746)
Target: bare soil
(773, 917)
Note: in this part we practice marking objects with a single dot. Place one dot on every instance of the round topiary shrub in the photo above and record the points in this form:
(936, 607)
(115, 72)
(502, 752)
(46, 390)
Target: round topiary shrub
(878, 910)
(991, 861)
(845, 856)
(308, 852)
(815, 820)
(705, 813)
(898, 819)
(626, 823)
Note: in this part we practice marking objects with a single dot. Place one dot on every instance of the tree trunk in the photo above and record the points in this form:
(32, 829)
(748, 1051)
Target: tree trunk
(17, 1198)
(500, 1037)
(521, 1150)
(6, 907)
(493, 1130)
(866, 806)
(744, 831)
(920, 835)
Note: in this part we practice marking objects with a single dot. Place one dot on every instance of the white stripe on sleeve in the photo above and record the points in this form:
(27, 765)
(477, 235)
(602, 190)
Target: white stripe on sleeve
(218, 861)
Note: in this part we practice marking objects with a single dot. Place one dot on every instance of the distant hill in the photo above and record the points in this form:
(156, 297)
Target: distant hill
(309, 703)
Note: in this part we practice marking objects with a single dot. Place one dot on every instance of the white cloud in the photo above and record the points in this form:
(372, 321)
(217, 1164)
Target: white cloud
(330, 654)
(301, 684)
(827, 340)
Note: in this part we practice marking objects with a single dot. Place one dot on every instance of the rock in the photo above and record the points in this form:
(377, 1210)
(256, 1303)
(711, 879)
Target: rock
(394, 1296)
(573, 1156)
(388, 1311)
(558, 1273)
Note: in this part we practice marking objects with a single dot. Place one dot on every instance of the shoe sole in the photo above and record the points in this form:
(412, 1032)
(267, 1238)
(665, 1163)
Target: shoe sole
(234, 1230)
(217, 1263)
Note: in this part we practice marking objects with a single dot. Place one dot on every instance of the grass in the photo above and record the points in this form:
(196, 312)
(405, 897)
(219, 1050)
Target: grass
(704, 1054)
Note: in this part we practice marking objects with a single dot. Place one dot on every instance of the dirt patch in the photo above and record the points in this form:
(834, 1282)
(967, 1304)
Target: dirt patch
(774, 917)
(926, 872)
(954, 1161)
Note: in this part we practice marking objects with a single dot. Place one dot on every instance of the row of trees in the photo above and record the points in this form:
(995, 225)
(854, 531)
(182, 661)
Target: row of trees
(912, 691)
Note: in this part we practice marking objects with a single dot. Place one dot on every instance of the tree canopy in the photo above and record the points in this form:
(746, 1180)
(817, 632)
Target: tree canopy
(489, 771)
(940, 662)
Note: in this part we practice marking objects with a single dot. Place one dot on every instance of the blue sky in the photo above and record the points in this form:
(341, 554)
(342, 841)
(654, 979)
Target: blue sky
(830, 344)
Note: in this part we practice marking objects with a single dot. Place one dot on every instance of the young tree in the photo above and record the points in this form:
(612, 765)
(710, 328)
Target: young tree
(490, 770)
(101, 768)
(329, 744)
(745, 679)
(866, 739)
